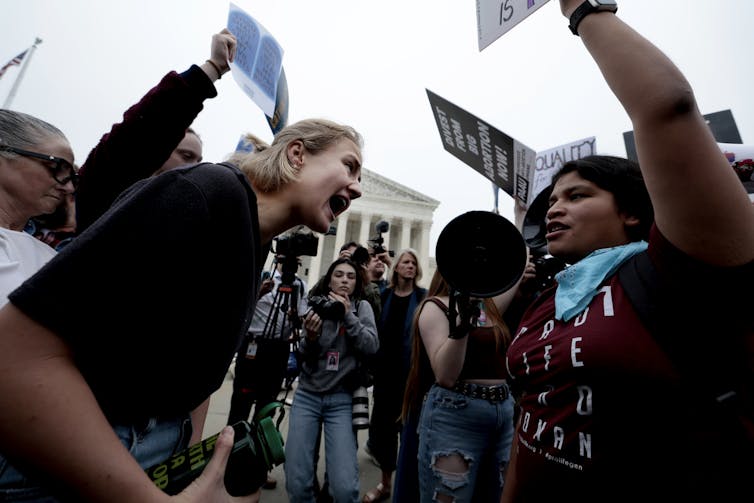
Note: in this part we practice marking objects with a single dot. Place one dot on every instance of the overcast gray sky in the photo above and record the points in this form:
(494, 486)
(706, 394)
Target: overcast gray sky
(368, 64)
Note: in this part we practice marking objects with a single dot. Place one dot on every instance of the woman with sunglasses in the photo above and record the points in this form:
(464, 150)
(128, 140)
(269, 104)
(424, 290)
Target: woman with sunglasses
(134, 324)
(36, 176)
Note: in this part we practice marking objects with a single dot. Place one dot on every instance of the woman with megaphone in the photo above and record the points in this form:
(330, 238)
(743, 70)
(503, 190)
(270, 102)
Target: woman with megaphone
(457, 387)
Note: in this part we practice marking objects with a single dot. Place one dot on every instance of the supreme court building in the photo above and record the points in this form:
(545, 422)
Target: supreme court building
(408, 212)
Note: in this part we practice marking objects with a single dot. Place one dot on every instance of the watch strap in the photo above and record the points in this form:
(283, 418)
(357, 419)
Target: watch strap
(584, 10)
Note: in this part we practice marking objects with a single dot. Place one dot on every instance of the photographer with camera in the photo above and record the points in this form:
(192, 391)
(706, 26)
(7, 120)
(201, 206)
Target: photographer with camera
(379, 263)
(339, 331)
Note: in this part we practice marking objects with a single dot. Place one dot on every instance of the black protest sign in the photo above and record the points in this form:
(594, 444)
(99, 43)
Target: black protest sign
(492, 153)
(722, 124)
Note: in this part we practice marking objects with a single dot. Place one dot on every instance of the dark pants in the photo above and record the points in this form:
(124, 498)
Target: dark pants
(385, 424)
(258, 379)
(406, 487)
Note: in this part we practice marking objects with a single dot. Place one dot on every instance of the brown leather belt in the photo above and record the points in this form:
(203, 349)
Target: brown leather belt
(495, 393)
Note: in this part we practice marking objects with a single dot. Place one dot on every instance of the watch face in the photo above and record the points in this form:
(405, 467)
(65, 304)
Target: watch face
(601, 3)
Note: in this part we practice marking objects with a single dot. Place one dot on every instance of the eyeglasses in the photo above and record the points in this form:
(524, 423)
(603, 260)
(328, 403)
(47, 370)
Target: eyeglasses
(62, 170)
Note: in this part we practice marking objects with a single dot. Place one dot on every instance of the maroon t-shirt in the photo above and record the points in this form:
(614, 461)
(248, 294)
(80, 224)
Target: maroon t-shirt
(602, 412)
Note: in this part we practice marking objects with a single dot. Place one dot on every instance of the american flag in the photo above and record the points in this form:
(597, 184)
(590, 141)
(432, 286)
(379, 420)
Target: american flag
(15, 61)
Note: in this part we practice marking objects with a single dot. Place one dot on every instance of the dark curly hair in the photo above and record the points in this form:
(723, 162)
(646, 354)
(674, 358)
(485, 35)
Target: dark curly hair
(621, 177)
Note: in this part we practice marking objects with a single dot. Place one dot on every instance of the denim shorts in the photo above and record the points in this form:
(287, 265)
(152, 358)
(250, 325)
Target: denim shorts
(479, 431)
(149, 442)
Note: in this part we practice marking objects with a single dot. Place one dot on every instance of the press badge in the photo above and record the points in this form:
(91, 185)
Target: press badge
(251, 350)
(333, 358)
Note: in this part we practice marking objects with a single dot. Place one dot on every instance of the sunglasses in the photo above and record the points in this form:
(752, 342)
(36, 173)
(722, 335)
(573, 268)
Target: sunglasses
(62, 171)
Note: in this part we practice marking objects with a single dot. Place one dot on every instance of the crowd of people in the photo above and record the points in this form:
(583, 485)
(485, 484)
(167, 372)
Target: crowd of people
(131, 286)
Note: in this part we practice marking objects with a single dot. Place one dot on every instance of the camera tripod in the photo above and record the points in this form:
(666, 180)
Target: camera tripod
(283, 313)
(262, 363)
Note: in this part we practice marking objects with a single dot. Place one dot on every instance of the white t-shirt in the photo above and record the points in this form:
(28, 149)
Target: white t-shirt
(21, 255)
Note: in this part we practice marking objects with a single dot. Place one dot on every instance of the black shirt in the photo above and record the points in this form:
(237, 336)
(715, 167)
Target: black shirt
(155, 297)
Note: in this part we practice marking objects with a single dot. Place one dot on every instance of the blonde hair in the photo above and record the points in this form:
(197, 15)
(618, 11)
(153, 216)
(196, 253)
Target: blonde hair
(268, 166)
(394, 276)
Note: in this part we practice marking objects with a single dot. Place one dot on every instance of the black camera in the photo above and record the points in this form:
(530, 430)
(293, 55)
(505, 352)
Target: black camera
(378, 243)
(297, 244)
(257, 448)
(326, 308)
(547, 267)
(360, 256)
(534, 232)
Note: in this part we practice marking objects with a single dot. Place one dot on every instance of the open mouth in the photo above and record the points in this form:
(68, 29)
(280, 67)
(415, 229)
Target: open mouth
(555, 227)
(338, 204)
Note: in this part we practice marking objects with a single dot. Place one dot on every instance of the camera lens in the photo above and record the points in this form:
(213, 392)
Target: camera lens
(360, 408)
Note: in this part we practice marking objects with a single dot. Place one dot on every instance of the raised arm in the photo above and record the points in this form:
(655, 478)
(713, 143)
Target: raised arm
(151, 129)
(699, 203)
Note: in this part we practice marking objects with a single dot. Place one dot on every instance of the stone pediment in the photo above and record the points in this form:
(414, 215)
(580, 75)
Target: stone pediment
(374, 185)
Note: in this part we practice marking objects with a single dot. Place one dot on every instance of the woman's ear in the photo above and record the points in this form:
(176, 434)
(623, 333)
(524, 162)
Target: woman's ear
(295, 153)
(630, 221)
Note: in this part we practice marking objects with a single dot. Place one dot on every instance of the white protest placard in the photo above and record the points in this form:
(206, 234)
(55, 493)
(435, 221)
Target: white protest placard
(258, 61)
(550, 161)
(497, 17)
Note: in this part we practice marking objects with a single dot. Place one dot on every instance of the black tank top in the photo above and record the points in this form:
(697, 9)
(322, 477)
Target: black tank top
(485, 359)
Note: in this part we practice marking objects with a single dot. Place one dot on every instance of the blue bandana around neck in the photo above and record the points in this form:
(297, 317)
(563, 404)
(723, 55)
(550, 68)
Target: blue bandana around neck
(578, 283)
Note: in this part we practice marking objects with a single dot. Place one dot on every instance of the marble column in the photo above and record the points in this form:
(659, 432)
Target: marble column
(366, 229)
(340, 238)
(424, 250)
(405, 233)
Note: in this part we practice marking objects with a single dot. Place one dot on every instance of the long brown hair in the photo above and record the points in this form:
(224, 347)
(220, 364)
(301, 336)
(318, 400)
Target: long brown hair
(420, 376)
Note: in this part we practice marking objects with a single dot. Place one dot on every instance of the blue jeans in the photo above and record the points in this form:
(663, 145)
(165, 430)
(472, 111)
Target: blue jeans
(308, 413)
(149, 443)
(477, 430)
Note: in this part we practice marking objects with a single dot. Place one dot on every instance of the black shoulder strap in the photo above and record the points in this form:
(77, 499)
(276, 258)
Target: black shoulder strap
(639, 279)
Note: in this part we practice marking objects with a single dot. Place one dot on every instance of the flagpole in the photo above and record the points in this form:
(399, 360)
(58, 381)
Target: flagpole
(24, 64)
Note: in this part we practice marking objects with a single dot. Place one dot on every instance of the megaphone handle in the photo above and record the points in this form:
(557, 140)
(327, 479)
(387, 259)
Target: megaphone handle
(456, 331)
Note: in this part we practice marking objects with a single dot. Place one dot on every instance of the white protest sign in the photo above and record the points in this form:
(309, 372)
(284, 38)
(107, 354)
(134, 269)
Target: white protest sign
(548, 162)
(497, 17)
(258, 61)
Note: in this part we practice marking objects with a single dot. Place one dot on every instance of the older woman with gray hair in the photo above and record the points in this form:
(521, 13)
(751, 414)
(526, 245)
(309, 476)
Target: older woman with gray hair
(36, 175)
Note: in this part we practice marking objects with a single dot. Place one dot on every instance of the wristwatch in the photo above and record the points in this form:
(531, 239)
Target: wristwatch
(589, 7)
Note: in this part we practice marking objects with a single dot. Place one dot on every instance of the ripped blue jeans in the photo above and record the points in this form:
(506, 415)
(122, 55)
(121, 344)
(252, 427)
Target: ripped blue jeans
(464, 447)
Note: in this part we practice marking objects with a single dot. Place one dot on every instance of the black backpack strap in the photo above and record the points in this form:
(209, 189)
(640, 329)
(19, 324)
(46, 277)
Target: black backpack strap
(639, 279)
